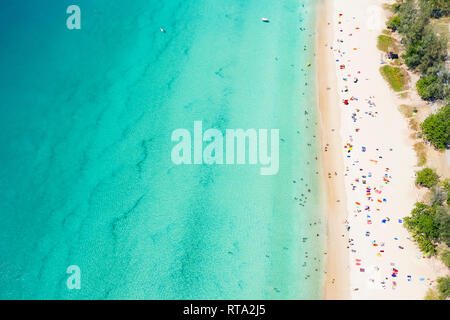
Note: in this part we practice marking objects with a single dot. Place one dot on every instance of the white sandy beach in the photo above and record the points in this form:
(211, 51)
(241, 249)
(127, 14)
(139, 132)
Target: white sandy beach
(376, 166)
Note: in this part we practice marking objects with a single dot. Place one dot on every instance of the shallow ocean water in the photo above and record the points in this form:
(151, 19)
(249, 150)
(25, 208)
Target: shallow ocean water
(86, 178)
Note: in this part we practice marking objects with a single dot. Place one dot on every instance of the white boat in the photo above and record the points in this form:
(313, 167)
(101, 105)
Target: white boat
(265, 20)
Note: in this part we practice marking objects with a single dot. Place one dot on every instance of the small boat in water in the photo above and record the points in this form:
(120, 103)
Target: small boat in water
(265, 20)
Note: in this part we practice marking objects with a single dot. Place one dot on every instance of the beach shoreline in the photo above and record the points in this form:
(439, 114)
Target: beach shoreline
(336, 284)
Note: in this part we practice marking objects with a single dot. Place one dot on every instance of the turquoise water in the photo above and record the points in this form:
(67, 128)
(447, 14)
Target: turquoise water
(86, 178)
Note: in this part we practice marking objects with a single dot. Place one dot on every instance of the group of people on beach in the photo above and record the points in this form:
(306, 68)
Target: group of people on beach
(367, 176)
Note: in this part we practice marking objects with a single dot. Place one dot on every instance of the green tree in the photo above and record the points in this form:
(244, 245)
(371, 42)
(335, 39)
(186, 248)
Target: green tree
(394, 23)
(445, 184)
(412, 22)
(428, 87)
(425, 50)
(434, 52)
(442, 222)
(436, 128)
(445, 257)
(427, 54)
(444, 287)
(423, 227)
(413, 55)
(437, 196)
(436, 8)
(427, 177)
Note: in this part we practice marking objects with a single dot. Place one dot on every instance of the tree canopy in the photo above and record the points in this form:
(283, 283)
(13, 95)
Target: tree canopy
(425, 50)
(427, 177)
(436, 128)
